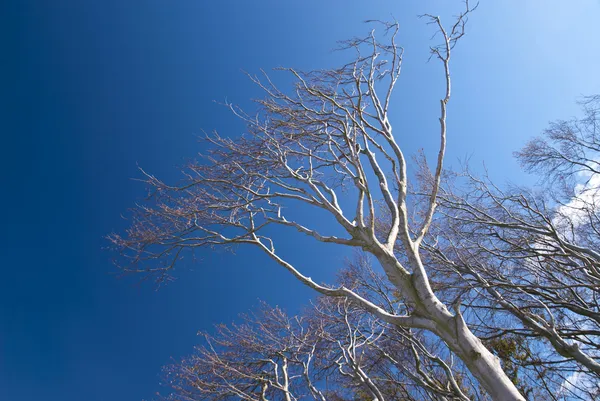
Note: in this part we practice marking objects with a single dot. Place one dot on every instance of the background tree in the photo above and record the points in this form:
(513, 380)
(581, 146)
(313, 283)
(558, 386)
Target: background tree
(332, 351)
(525, 261)
(331, 136)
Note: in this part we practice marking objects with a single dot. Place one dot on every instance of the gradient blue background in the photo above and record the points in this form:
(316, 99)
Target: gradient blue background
(90, 89)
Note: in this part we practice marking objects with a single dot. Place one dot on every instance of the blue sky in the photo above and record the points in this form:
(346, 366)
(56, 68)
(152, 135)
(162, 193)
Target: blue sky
(91, 89)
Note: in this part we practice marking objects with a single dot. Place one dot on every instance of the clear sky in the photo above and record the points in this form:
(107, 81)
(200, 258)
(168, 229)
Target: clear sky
(90, 89)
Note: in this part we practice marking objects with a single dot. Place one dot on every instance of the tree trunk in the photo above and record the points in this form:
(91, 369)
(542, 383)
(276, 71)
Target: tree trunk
(482, 364)
(452, 329)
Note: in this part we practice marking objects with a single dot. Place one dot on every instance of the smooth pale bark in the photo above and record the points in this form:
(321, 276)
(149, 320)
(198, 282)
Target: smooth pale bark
(481, 363)
(451, 328)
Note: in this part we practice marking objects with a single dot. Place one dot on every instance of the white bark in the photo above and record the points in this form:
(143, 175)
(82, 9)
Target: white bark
(452, 329)
(335, 127)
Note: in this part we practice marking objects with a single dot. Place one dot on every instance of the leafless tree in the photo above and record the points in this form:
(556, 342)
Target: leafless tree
(526, 262)
(405, 363)
(333, 351)
(270, 356)
(327, 147)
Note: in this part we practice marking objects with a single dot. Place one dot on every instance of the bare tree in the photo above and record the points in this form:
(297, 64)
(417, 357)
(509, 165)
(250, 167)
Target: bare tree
(526, 262)
(331, 136)
(269, 356)
(333, 351)
(402, 358)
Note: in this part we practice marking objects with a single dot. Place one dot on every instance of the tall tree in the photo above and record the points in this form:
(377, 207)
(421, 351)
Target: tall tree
(526, 261)
(328, 146)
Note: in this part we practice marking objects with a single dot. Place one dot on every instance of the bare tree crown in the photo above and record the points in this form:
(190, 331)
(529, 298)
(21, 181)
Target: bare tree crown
(327, 145)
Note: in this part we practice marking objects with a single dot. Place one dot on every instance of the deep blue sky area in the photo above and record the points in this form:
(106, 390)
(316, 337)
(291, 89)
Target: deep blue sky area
(92, 89)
